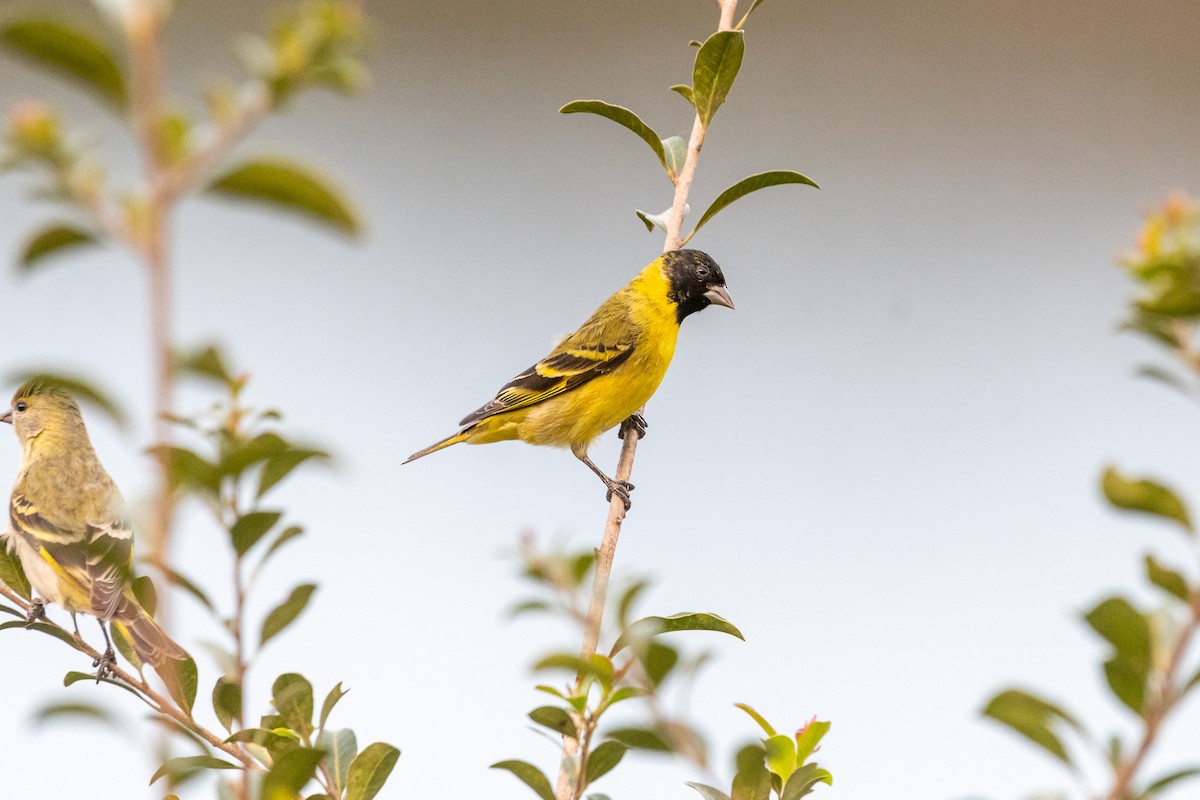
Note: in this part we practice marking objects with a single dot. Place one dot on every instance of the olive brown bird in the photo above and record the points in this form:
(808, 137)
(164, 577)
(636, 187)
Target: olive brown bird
(605, 371)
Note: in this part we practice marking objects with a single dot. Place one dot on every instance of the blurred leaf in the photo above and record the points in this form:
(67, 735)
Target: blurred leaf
(581, 565)
(42, 627)
(178, 579)
(286, 612)
(174, 137)
(123, 642)
(624, 117)
(182, 680)
(340, 746)
(1175, 301)
(674, 154)
(289, 187)
(62, 48)
(1166, 781)
(641, 739)
(204, 362)
(227, 702)
(752, 781)
(11, 573)
(555, 719)
(603, 759)
(279, 467)
(527, 606)
(781, 755)
(331, 700)
(659, 660)
(808, 739)
(625, 693)
(290, 773)
(285, 536)
(292, 696)
(79, 388)
(276, 742)
(744, 187)
(803, 780)
(146, 594)
(370, 770)
(759, 718)
(1165, 377)
(177, 768)
(1129, 633)
(742, 22)
(12, 612)
(1033, 718)
(74, 711)
(1145, 496)
(250, 528)
(573, 663)
(628, 598)
(708, 792)
(189, 470)
(717, 63)
(1167, 579)
(685, 91)
(530, 775)
(687, 621)
(52, 240)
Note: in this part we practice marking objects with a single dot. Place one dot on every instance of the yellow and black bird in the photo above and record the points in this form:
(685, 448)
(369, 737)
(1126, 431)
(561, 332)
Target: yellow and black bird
(68, 525)
(605, 371)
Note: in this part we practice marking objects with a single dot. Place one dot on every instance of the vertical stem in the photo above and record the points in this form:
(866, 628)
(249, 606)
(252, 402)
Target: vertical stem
(569, 787)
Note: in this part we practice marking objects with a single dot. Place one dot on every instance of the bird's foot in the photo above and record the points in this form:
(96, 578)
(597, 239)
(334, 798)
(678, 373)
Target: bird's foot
(634, 422)
(621, 489)
(104, 664)
(37, 612)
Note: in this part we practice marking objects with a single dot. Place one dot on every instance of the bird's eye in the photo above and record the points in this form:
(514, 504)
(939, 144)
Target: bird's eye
(21, 406)
(702, 271)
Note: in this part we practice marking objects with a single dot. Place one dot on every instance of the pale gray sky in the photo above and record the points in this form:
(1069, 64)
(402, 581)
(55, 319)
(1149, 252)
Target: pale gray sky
(882, 466)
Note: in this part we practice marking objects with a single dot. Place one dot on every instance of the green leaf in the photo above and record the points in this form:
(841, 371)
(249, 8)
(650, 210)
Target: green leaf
(685, 91)
(803, 780)
(659, 660)
(63, 48)
(182, 680)
(600, 668)
(285, 536)
(276, 742)
(708, 792)
(189, 470)
(290, 773)
(1129, 633)
(624, 117)
(289, 187)
(781, 755)
(1167, 579)
(717, 63)
(625, 693)
(674, 154)
(204, 362)
(42, 627)
(641, 739)
(176, 768)
(146, 594)
(603, 759)
(1175, 301)
(279, 467)
(757, 717)
(286, 612)
(123, 642)
(250, 528)
(1166, 781)
(554, 718)
(742, 23)
(227, 702)
(52, 240)
(11, 573)
(75, 677)
(292, 696)
(370, 770)
(628, 598)
(331, 700)
(80, 388)
(753, 780)
(72, 711)
(1033, 718)
(176, 578)
(340, 746)
(744, 187)
(687, 621)
(809, 738)
(1145, 496)
(530, 775)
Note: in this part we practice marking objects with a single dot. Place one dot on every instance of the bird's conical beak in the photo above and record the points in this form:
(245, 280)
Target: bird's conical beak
(718, 296)
(6, 417)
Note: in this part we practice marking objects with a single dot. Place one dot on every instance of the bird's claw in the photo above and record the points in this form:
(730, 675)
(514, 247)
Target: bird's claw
(104, 664)
(37, 613)
(621, 489)
(634, 422)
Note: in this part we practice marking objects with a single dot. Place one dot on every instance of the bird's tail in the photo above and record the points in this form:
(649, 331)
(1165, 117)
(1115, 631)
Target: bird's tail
(461, 436)
(151, 643)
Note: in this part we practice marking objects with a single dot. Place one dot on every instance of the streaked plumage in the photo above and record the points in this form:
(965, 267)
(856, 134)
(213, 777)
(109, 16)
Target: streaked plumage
(69, 524)
(603, 372)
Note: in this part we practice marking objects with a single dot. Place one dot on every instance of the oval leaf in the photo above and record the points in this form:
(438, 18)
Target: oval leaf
(530, 775)
(286, 612)
(289, 187)
(227, 702)
(74, 711)
(685, 621)
(178, 768)
(708, 792)
(1033, 718)
(747, 185)
(1145, 496)
(1129, 633)
(370, 770)
(340, 749)
(250, 528)
(69, 51)
(602, 759)
(624, 117)
(50, 241)
(290, 773)
(11, 573)
(684, 91)
(717, 63)
(1167, 579)
(331, 700)
(292, 696)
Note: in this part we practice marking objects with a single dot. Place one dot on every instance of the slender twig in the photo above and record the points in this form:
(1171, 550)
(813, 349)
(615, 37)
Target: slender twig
(569, 787)
(154, 699)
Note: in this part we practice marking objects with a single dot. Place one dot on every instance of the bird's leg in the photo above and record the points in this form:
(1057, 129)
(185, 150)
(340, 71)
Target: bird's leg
(37, 612)
(105, 662)
(75, 622)
(634, 422)
(620, 488)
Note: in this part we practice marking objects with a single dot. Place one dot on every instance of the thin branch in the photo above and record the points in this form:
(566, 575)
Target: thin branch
(569, 787)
